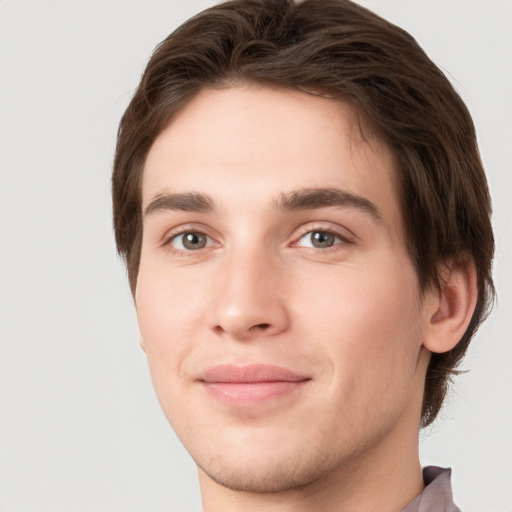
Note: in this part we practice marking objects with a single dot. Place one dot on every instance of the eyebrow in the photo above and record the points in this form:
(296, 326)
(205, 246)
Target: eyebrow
(314, 198)
(186, 202)
(304, 199)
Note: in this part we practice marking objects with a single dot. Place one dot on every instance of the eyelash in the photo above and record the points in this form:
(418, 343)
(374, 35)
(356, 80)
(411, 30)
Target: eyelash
(343, 240)
(190, 229)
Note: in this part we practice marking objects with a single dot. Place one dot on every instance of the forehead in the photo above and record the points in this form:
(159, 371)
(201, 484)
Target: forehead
(260, 142)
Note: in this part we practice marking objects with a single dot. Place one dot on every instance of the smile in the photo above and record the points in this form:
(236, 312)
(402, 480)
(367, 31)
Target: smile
(251, 385)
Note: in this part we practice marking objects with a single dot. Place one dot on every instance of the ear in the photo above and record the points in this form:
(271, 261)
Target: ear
(142, 343)
(449, 310)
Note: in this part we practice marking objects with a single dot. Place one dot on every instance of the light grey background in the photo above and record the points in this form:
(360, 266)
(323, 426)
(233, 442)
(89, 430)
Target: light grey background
(80, 427)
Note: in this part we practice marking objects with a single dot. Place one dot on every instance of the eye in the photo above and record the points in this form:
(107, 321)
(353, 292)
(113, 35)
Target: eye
(190, 241)
(319, 239)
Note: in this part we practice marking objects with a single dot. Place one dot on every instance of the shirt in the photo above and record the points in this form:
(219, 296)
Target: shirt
(437, 495)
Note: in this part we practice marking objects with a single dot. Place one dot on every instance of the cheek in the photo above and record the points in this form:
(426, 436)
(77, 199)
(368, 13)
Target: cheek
(372, 339)
(368, 323)
(167, 314)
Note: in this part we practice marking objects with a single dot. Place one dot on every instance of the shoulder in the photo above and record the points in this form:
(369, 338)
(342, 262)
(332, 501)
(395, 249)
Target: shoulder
(437, 495)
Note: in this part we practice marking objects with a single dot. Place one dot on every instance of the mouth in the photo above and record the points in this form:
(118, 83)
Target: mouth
(251, 385)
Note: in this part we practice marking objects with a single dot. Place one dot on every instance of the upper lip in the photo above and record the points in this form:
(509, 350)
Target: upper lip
(231, 373)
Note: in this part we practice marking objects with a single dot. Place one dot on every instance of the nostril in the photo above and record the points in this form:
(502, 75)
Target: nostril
(262, 326)
(218, 329)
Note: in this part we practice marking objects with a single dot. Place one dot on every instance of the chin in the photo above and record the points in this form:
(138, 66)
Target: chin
(268, 474)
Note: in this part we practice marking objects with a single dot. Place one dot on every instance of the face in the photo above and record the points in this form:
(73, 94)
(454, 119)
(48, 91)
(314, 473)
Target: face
(278, 308)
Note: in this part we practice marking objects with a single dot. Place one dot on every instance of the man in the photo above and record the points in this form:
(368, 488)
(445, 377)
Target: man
(301, 205)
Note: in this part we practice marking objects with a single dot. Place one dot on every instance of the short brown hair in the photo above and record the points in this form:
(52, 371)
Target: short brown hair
(342, 50)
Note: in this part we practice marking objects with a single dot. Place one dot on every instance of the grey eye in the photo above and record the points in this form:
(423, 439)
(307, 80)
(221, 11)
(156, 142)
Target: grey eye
(190, 241)
(319, 239)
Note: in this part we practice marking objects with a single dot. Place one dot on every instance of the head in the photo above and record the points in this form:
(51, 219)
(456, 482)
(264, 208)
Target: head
(397, 100)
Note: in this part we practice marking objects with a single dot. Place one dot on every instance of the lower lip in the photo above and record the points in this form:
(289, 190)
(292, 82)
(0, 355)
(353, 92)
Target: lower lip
(252, 393)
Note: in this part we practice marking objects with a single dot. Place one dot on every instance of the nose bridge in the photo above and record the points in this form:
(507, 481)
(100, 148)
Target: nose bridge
(248, 296)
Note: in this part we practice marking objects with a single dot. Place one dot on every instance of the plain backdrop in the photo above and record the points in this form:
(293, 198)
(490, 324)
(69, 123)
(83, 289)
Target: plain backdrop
(81, 430)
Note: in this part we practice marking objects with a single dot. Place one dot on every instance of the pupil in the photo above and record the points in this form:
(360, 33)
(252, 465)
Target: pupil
(322, 239)
(194, 240)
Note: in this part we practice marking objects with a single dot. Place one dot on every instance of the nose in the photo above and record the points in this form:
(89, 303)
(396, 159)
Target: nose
(248, 300)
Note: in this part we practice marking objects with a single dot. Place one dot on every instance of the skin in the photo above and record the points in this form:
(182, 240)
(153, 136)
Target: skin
(349, 317)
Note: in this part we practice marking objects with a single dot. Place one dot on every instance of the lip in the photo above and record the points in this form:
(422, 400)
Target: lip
(252, 384)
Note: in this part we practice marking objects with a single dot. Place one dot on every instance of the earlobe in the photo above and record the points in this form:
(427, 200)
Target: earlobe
(141, 339)
(450, 309)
